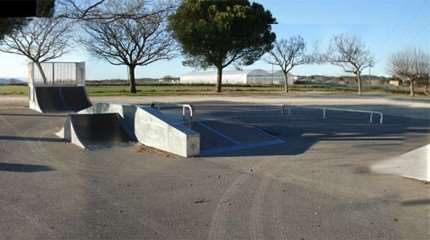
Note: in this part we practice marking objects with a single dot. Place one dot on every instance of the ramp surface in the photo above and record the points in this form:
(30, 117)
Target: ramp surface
(61, 99)
(220, 137)
(49, 99)
(75, 98)
(95, 130)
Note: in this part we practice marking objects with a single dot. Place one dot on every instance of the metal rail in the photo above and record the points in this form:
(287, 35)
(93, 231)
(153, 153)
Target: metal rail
(285, 110)
(190, 110)
(184, 107)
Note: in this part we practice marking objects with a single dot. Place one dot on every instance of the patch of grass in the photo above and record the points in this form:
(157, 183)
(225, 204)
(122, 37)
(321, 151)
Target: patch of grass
(205, 89)
(13, 90)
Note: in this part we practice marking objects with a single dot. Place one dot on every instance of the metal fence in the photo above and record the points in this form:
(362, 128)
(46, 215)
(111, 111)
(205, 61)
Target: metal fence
(57, 74)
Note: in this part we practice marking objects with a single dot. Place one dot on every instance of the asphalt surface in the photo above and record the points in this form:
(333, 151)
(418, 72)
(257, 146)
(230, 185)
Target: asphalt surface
(316, 185)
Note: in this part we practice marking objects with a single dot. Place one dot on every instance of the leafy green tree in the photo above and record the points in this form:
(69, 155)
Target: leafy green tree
(221, 32)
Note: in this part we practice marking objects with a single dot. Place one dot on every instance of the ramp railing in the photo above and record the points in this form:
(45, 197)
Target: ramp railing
(186, 108)
(286, 110)
(190, 109)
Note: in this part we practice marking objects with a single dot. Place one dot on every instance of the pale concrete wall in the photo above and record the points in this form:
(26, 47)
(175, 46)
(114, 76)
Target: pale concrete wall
(153, 129)
(68, 133)
(414, 164)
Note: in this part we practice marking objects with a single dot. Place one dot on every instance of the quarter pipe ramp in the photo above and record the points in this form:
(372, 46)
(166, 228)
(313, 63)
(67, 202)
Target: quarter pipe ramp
(50, 99)
(90, 131)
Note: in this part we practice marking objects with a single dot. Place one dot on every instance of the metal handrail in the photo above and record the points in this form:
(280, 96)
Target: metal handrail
(190, 110)
(325, 109)
(184, 107)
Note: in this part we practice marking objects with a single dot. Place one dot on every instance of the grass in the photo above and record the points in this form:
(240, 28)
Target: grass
(18, 90)
(234, 90)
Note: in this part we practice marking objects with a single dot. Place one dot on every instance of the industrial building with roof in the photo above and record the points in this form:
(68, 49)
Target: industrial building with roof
(237, 77)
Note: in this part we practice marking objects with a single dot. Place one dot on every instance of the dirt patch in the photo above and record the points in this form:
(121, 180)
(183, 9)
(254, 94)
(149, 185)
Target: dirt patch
(146, 149)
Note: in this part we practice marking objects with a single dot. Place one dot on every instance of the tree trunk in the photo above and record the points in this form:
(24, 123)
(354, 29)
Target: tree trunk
(39, 66)
(359, 83)
(286, 82)
(219, 79)
(412, 87)
(131, 78)
(426, 89)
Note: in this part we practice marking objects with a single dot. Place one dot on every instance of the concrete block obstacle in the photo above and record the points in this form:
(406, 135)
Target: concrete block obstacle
(62, 89)
(144, 124)
(150, 126)
(414, 164)
(154, 129)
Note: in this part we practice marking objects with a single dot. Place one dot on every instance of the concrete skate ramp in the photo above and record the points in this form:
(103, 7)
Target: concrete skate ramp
(152, 128)
(413, 164)
(218, 137)
(97, 130)
(61, 99)
(126, 111)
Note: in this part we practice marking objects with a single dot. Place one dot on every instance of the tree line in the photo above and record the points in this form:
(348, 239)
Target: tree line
(209, 33)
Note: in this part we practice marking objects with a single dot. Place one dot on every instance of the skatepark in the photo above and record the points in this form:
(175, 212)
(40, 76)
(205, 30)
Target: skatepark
(265, 168)
(214, 120)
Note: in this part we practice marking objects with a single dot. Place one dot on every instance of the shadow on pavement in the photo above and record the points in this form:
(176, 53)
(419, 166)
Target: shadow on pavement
(305, 127)
(18, 167)
(32, 115)
(38, 139)
(416, 202)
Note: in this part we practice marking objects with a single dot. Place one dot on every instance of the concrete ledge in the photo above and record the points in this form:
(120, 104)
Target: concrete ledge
(414, 164)
(153, 129)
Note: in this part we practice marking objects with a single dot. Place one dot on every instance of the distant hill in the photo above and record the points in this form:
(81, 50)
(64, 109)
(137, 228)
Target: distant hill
(13, 81)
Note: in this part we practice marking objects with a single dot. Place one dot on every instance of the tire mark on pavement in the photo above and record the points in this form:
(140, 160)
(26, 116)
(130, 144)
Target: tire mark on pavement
(152, 224)
(256, 227)
(256, 221)
(38, 149)
(278, 210)
(217, 227)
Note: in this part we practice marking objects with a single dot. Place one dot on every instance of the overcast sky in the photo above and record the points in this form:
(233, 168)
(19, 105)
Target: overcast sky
(384, 25)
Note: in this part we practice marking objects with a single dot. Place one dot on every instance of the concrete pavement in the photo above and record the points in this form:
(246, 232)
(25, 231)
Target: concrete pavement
(316, 186)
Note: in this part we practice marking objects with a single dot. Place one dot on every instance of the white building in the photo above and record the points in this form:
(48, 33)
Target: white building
(239, 77)
(279, 78)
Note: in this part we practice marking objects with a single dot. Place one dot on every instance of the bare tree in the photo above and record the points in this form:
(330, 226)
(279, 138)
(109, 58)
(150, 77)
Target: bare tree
(351, 54)
(41, 40)
(287, 54)
(88, 10)
(129, 41)
(410, 65)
